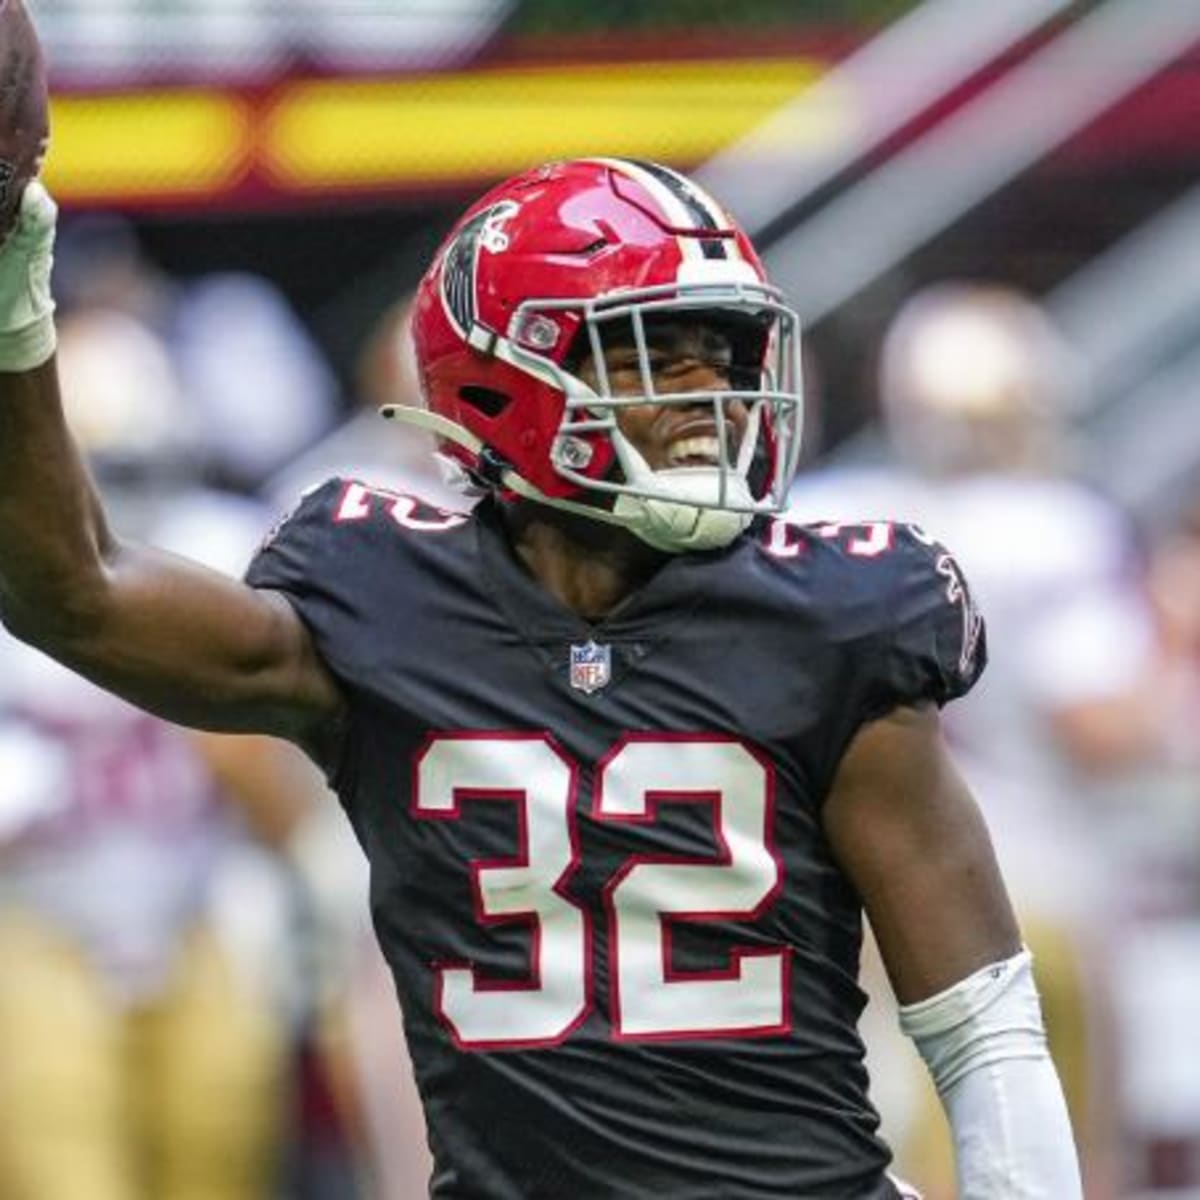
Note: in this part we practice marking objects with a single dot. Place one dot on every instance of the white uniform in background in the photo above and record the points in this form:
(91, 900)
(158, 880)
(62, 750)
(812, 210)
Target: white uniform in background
(1053, 570)
(110, 824)
(143, 1030)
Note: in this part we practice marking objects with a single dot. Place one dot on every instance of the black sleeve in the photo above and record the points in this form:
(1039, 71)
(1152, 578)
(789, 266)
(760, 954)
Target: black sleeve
(935, 647)
(325, 566)
(293, 556)
(311, 562)
(343, 558)
(905, 627)
(909, 631)
(939, 646)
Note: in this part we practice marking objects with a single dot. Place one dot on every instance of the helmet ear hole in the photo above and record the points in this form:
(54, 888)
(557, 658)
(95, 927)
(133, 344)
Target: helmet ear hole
(487, 400)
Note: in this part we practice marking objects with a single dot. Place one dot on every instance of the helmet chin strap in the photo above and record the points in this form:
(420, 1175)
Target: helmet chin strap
(672, 525)
(680, 517)
(676, 526)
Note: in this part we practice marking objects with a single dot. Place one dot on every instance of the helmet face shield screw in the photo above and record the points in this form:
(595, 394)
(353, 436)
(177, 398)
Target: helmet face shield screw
(573, 452)
(537, 332)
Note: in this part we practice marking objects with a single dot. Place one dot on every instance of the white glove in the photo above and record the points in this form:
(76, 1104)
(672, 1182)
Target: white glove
(27, 337)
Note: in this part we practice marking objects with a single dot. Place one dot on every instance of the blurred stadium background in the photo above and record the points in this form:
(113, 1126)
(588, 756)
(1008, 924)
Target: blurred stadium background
(258, 183)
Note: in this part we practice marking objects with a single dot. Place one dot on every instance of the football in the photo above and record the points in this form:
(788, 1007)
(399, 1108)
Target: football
(24, 106)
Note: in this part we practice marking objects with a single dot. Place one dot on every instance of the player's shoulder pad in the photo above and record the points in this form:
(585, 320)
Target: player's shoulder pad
(333, 522)
(898, 594)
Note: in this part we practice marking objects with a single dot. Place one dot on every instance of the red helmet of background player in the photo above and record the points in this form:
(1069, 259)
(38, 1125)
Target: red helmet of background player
(548, 269)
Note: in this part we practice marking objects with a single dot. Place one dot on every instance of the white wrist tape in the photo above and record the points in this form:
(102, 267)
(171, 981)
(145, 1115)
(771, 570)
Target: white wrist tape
(985, 1046)
(27, 337)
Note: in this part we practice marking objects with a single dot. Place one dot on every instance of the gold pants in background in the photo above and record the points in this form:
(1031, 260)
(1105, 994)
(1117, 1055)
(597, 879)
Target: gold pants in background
(177, 1100)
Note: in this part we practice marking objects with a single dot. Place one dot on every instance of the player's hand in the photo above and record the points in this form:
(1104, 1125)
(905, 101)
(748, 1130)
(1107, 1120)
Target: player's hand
(27, 337)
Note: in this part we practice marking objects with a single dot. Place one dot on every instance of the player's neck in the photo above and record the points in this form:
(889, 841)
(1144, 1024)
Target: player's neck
(590, 567)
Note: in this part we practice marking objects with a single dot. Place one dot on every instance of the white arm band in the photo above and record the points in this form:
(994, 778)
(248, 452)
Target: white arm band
(27, 337)
(985, 1047)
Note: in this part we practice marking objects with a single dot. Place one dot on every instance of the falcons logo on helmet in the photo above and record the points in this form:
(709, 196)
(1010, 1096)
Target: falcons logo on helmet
(460, 265)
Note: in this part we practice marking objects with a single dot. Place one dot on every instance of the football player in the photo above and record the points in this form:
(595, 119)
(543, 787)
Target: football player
(628, 755)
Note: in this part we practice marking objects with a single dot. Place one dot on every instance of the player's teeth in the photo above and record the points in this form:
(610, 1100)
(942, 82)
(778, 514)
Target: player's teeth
(707, 448)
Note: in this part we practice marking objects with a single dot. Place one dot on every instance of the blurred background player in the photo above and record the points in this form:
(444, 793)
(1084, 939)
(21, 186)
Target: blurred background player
(975, 389)
(385, 372)
(253, 387)
(147, 1001)
(1150, 819)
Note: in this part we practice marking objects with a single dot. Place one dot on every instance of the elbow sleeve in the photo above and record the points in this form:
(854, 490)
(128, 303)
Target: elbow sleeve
(984, 1043)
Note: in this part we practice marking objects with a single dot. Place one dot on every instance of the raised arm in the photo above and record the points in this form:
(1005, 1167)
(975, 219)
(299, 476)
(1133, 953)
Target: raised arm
(169, 635)
(909, 835)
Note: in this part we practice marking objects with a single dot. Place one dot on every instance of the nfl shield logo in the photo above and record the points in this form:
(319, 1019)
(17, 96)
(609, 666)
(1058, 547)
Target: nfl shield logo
(591, 667)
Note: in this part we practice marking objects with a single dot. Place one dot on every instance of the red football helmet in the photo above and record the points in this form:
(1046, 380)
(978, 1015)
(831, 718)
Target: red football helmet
(544, 271)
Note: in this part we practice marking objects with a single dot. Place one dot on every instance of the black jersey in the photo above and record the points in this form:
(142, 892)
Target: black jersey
(626, 957)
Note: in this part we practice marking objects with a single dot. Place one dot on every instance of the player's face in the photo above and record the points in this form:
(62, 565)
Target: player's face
(683, 356)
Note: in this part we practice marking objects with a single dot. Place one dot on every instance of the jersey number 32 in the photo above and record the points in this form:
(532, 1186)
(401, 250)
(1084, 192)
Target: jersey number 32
(649, 998)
